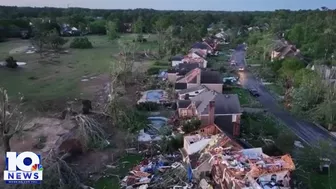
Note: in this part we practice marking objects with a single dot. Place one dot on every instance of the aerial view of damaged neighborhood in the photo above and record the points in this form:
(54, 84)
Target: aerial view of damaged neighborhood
(168, 94)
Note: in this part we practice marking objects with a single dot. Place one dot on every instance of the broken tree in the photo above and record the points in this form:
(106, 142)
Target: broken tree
(11, 119)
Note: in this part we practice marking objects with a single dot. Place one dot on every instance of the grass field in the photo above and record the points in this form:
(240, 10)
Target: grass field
(45, 81)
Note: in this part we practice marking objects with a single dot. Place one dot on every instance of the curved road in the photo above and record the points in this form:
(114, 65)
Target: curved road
(307, 131)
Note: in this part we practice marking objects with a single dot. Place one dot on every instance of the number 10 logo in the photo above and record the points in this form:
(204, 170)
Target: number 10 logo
(23, 168)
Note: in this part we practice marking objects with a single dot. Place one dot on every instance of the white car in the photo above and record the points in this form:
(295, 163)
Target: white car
(233, 62)
(241, 68)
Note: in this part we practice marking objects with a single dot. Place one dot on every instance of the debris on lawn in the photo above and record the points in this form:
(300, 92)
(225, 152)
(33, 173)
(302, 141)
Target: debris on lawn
(158, 172)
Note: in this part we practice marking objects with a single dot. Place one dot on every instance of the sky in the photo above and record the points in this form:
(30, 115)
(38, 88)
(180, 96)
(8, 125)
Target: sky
(222, 5)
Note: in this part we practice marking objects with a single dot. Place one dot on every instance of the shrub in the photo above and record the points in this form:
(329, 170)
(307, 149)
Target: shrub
(191, 125)
(11, 63)
(153, 70)
(161, 63)
(148, 106)
(81, 43)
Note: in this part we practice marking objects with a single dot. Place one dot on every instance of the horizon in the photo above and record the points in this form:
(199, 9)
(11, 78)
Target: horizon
(178, 5)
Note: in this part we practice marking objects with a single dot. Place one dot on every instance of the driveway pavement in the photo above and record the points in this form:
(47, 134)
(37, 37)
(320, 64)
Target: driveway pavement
(307, 131)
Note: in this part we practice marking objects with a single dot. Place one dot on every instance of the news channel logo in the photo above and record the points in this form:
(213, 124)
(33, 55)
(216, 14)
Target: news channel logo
(23, 168)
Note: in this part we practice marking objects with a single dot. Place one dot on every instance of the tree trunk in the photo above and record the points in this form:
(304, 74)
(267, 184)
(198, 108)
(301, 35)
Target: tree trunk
(330, 126)
(6, 140)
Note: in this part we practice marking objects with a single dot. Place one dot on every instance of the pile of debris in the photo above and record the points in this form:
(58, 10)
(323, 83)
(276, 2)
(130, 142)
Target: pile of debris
(158, 172)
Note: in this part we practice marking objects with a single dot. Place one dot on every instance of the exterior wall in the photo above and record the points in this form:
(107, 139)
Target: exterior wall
(185, 112)
(176, 62)
(172, 77)
(205, 64)
(274, 55)
(208, 130)
(204, 120)
(215, 87)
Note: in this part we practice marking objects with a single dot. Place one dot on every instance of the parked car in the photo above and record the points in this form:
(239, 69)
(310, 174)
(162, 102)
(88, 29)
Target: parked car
(241, 69)
(254, 92)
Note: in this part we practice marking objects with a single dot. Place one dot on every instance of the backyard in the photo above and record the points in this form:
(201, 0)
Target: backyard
(61, 79)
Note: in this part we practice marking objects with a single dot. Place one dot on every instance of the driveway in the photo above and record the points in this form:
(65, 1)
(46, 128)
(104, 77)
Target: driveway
(307, 131)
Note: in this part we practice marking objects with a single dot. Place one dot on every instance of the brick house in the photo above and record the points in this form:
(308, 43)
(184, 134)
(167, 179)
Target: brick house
(212, 107)
(179, 71)
(197, 77)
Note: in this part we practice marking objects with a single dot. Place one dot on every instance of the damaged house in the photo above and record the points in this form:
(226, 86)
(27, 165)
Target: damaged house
(209, 150)
(282, 49)
(203, 47)
(212, 44)
(185, 94)
(180, 70)
(197, 77)
(250, 169)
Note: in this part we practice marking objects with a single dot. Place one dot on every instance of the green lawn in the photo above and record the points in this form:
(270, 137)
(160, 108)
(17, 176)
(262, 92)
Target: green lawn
(243, 94)
(275, 88)
(245, 99)
(45, 81)
(112, 182)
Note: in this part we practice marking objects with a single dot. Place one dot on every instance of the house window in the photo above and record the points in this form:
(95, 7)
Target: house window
(184, 113)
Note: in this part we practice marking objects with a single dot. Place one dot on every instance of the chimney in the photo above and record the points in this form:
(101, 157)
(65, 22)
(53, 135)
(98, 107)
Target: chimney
(198, 79)
(211, 116)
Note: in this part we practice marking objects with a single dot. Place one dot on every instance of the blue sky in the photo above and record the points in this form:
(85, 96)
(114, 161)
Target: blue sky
(226, 5)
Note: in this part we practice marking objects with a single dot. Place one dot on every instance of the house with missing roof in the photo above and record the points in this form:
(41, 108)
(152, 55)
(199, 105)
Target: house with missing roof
(282, 49)
(196, 77)
(209, 150)
(250, 168)
(180, 71)
(186, 94)
(212, 44)
(200, 46)
(212, 107)
(196, 145)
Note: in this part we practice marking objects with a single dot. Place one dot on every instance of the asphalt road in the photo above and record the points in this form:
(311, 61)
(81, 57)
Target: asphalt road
(307, 131)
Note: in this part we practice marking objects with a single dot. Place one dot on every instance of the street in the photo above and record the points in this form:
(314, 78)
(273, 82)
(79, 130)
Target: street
(308, 132)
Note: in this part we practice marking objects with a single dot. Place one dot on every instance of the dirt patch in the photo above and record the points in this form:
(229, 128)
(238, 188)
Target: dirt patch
(96, 88)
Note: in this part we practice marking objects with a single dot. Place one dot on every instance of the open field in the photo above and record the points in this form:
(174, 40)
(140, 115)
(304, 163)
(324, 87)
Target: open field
(40, 80)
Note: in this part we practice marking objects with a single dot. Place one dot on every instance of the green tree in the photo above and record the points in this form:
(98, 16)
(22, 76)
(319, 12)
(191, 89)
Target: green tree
(138, 26)
(111, 30)
(98, 27)
(288, 69)
(296, 35)
(303, 75)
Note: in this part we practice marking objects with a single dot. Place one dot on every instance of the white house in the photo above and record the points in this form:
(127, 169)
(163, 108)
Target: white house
(176, 60)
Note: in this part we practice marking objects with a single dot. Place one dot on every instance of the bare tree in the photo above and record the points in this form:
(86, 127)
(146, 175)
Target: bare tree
(11, 119)
(126, 62)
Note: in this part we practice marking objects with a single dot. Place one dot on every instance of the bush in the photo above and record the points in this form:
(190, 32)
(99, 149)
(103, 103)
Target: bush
(148, 106)
(191, 125)
(11, 63)
(81, 43)
(161, 63)
(153, 70)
